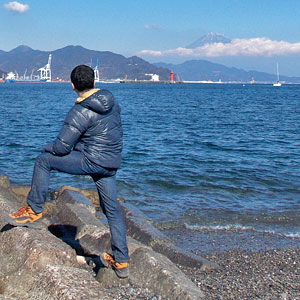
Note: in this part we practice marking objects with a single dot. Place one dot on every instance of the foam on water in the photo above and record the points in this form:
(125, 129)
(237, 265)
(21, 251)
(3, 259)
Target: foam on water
(238, 227)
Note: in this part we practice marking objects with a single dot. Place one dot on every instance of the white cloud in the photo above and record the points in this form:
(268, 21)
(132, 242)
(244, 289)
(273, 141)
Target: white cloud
(16, 7)
(237, 47)
(151, 27)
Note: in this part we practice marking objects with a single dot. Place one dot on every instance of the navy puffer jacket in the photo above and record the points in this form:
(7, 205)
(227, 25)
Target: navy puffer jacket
(93, 127)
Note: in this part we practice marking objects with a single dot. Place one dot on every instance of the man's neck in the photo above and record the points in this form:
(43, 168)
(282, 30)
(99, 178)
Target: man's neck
(81, 93)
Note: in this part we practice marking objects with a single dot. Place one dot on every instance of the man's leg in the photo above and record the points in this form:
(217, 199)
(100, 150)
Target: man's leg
(107, 191)
(30, 215)
(44, 164)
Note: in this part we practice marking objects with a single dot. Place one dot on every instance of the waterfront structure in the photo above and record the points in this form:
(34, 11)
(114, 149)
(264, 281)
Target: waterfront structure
(154, 77)
(45, 72)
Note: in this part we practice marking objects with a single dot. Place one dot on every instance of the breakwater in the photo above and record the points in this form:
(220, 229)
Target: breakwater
(61, 261)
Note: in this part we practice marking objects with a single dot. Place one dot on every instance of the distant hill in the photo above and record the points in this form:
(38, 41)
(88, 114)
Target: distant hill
(210, 38)
(111, 65)
(205, 70)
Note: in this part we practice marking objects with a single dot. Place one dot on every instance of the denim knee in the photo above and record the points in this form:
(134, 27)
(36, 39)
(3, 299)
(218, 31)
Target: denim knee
(43, 159)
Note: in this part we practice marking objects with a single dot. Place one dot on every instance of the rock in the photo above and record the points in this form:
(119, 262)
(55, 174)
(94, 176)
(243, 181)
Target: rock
(184, 258)
(32, 249)
(73, 197)
(108, 278)
(157, 273)
(89, 194)
(4, 181)
(82, 219)
(41, 264)
(55, 283)
(141, 229)
(21, 191)
(92, 235)
(35, 264)
(8, 204)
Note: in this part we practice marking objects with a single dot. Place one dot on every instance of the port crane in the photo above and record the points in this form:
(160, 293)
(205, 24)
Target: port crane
(96, 70)
(45, 72)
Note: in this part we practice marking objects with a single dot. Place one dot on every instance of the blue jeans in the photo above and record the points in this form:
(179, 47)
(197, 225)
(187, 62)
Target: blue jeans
(105, 179)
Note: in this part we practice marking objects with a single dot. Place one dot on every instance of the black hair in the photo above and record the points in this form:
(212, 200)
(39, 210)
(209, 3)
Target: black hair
(82, 78)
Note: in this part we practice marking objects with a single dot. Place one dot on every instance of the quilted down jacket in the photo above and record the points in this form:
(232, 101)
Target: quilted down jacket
(93, 126)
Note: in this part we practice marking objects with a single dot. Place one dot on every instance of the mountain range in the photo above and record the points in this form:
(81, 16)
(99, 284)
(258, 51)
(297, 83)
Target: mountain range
(204, 70)
(24, 59)
(111, 65)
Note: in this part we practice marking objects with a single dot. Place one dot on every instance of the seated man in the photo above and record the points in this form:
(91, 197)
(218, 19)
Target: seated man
(89, 143)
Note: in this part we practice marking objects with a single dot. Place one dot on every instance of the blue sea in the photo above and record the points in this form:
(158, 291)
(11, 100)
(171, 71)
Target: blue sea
(214, 166)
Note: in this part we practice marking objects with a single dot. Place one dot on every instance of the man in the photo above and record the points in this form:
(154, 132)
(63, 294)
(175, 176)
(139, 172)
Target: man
(89, 143)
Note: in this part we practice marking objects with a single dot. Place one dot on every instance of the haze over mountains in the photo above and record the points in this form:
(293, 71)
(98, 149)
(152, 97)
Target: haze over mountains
(113, 66)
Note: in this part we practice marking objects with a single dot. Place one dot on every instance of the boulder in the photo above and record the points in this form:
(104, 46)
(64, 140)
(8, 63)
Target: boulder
(35, 264)
(141, 229)
(4, 181)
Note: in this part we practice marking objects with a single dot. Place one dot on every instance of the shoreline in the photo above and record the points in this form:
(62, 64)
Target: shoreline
(201, 242)
(243, 274)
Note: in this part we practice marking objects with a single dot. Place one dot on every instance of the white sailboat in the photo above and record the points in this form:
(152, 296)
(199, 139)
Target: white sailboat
(277, 83)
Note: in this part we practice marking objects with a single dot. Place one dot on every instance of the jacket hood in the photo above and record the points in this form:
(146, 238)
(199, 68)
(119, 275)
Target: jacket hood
(101, 102)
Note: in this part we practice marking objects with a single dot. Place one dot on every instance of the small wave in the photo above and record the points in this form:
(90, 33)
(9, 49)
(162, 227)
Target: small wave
(238, 227)
(217, 227)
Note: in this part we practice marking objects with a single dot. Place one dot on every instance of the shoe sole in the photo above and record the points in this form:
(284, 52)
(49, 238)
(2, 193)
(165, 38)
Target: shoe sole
(103, 261)
(124, 273)
(34, 225)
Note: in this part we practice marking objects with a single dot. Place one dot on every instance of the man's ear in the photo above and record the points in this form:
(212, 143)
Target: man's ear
(73, 87)
(94, 83)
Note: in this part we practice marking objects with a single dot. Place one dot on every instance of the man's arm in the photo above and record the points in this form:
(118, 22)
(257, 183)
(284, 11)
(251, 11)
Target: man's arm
(75, 124)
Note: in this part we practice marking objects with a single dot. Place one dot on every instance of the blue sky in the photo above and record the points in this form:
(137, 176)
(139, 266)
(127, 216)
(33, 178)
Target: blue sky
(264, 31)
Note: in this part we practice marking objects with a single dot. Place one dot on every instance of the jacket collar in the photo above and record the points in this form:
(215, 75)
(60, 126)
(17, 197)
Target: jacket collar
(86, 95)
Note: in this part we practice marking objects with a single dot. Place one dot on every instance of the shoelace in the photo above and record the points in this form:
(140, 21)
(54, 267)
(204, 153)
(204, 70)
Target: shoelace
(113, 263)
(109, 259)
(21, 211)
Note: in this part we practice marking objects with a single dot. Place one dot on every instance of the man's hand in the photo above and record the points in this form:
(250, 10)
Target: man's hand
(48, 148)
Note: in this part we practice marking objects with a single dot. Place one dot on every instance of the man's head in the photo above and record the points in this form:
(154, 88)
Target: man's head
(82, 78)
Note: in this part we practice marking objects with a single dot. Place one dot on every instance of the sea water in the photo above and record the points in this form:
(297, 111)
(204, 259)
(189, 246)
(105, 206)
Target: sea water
(215, 166)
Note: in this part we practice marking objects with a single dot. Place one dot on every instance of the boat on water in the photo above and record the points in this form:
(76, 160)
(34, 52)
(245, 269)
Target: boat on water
(277, 83)
(12, 78)
(45, 75)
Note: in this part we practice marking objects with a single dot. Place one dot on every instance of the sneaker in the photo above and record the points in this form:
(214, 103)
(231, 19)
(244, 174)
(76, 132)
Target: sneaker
(121, 269)
(26, 217)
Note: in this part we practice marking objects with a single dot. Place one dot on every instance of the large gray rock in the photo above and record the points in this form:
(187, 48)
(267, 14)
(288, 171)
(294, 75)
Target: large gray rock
(182, 257)
(35, 264)
(39, 264)
(4, 181)
(8, 204)
(157, 273)
(54, 283)
(141, 229)
(91, 234)
(32, 249)
(73, 197)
